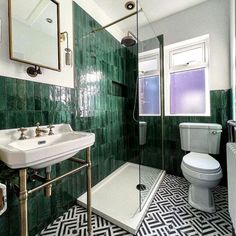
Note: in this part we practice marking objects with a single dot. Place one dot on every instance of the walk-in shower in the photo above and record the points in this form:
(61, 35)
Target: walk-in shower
(131, 167)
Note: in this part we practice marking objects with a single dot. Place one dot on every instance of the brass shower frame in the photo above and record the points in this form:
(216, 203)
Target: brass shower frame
(115, 22)
(24, 193)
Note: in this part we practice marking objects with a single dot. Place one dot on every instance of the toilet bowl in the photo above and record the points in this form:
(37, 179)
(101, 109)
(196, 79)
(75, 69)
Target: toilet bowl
(198, 167)
(204, 173)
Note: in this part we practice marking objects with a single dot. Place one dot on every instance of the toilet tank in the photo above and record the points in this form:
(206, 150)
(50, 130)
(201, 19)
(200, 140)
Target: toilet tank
(200, 137)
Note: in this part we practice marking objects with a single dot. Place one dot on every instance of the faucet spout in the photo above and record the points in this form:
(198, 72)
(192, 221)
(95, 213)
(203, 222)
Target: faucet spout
(39, 131)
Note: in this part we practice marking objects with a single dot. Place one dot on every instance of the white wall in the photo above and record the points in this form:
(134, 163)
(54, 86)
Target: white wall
(211, 17)
(17, 70)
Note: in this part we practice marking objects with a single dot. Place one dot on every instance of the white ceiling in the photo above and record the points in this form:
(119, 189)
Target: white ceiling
(153, 10)
(34, 14)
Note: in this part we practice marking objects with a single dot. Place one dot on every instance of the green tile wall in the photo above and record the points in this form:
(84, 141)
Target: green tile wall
(95, 105)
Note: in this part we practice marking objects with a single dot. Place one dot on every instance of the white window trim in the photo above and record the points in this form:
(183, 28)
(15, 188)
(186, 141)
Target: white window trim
(203, 42)
(189, 65)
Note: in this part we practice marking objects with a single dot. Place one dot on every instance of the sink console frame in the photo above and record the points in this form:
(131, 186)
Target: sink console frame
(24, 192)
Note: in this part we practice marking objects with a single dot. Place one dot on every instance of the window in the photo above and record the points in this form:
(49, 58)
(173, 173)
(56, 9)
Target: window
(187, 79)
(187, 92)
(149, 84)
(149, 95)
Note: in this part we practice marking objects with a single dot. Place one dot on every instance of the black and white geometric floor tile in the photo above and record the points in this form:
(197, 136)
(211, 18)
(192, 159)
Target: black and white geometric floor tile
(169, 215)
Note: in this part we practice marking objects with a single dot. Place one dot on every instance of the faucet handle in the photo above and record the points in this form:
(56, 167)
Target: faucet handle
(37, 124)
(22, 135)
(50, 129)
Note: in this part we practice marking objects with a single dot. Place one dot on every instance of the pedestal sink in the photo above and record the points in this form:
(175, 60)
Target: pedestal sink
(40, 152)
(44, 151)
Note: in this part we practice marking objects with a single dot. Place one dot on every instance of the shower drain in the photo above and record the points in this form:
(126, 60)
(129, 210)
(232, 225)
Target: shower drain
(141, 187)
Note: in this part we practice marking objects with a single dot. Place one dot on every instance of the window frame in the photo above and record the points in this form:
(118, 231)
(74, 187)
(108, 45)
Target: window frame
(169, 51)
(202, 42)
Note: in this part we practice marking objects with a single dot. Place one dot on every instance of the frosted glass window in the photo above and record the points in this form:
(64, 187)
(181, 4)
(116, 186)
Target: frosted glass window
(186, 57)
(187, 92)
(149, 65)
(149, 95)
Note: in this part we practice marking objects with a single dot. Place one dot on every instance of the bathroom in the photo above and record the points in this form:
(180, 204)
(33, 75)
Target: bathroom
(96, 93)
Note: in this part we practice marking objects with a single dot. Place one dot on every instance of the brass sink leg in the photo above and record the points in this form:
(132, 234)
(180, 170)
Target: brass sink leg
(89, 211)
(48, 188)
(23, 197)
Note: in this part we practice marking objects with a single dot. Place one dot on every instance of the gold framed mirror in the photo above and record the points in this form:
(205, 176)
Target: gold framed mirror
(34, 33)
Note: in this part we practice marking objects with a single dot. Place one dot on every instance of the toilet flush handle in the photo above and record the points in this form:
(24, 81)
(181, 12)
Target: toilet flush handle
(214, 132)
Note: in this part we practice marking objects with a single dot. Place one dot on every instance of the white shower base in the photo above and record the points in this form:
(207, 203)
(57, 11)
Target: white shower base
(116, 198)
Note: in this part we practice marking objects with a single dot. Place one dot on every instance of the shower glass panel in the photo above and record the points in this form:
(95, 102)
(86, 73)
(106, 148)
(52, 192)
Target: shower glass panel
(109, 53)
(150, 104)
(120, 99)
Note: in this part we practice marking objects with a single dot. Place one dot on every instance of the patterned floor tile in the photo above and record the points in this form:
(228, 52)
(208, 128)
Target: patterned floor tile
(168, 215)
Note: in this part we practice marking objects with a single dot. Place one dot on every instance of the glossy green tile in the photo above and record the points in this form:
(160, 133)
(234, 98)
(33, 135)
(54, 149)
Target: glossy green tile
(21, 94)
(30, 118)
(21, 119)
(11, 94)
(3, 94)
(30, 96)
(45, 97)
(37, 96)
(3, 120)
(38, 117)
(11, 120)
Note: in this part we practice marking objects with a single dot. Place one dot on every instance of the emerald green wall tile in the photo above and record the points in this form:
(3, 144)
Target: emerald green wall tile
(11, 119)
(30, 118)
(37, 96)
(38, 117)
(11, 94)
(21, 94)
(3, 94)
(30, 105)
(3, 120)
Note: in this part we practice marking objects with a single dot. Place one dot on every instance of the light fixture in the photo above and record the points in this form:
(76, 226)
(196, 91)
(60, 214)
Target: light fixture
(68, 52)
(130, 5)
(49, 20)
(34, 71)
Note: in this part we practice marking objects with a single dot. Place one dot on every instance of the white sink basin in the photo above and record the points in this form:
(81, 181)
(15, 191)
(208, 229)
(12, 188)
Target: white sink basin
(40, 152)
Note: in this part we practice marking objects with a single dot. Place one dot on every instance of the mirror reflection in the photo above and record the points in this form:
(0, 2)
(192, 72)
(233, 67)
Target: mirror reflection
(34, 32)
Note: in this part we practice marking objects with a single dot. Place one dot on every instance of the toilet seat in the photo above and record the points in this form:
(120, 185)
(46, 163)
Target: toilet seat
(201, 162)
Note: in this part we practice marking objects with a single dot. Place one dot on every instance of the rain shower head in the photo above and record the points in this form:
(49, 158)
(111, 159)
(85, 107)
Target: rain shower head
(129, 40)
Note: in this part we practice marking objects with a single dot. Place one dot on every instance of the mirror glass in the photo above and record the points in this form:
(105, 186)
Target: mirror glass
(34, 32)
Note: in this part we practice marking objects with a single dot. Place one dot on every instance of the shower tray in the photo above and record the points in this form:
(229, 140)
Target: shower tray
(116, 198)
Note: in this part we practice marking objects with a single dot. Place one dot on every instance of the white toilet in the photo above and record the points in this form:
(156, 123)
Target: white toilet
(199, 168)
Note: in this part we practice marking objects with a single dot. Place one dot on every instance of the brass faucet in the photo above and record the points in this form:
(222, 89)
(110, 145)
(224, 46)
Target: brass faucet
(50, 129)
(39, 131)
(22, 135)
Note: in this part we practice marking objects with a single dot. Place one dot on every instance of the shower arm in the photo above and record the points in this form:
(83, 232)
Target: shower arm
(130, 33)
(117, 21)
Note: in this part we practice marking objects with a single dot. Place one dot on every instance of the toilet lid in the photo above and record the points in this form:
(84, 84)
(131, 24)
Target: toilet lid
(201, 162)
